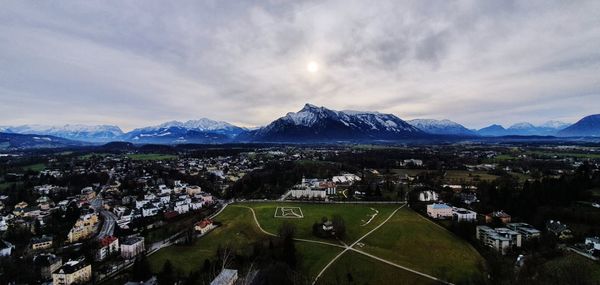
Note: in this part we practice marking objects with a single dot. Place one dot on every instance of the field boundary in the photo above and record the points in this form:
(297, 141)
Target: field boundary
(288, 213)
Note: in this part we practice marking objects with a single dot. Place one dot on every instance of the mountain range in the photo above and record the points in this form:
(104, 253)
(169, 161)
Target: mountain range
(310, 124)
(551, 128)
(314, 123)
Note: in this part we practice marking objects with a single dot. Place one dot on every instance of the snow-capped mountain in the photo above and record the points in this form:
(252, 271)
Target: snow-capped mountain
(12, 141)
(201, 125)
(193, 131)
(492, 130)
(558, 125)
(314, 123)
(441, 127)
(99, 133)
(586, 127)
(550, 128)
(547, 129)
(174, 135)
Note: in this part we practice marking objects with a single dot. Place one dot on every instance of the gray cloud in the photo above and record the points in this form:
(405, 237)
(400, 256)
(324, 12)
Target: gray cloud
(135, 63)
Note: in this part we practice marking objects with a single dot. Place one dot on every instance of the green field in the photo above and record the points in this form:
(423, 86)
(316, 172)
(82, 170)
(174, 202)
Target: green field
(35, 167)
(458, 176)
(407, 239)
(355, 268)
(151, 156)
(564, 154)
(238, 230)
(6, 185)
(412, 241)
(354, 215)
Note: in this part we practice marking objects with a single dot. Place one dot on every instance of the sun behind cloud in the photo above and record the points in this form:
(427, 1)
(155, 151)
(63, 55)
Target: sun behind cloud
(312, 66)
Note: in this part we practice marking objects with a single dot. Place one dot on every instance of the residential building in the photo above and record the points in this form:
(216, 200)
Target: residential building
(131, 247)
(6, 248)
(226, 277)
(43, 242)
(559, 229)
(72, 272)
(204, 226)
(500, 239)
(428, 196)
(88, 193)
(85, 226)
(498, 215)
(593, 242)
(108, 245)
(439, 211)
(465, 215)
(47, 263)
(526, 230)
(412, 162)
(193, 190)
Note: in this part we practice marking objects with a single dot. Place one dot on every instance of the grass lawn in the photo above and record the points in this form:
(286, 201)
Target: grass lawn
(355, 268)
(35, 167)
(412, 241)
(566, 154)
(6, 185)
(151, 156)
(457, 176)
(313, 257)
(171, 228)
(572, 258)
(354, 215)
(238, 230)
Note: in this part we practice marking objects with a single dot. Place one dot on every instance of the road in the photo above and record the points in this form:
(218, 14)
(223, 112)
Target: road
(108, 226)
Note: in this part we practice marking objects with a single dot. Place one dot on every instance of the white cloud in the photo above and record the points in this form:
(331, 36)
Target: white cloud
(139, 63)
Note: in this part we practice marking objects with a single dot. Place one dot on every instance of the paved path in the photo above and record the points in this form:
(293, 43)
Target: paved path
(349, 248)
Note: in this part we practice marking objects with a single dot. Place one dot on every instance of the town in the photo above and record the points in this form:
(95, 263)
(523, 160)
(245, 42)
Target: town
(118, 216)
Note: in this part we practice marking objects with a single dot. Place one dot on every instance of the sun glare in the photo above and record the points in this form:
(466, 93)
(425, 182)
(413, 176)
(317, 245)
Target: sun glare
(312, 67)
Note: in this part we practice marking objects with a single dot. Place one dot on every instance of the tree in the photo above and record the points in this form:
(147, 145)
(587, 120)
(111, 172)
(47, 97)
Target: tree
(287, 232)
(141, 269)
(339, 226)
(167, 274)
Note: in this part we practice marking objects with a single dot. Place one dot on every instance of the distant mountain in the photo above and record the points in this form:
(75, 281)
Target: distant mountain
(550, 128)
(100, 133)
(441, 127)
(587, 127)
(202, 125)
(492, 130)
(312, 124)
(558, 125)
(527, 129)
(175, 135)
(193, 131)
(12, 141)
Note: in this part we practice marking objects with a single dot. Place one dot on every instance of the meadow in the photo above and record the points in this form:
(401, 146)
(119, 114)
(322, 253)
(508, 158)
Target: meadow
(355, 217)
(415, 242)
(151, 156)
(406, 239)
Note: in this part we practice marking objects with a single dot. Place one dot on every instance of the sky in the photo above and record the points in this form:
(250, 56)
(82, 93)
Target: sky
(140, 63)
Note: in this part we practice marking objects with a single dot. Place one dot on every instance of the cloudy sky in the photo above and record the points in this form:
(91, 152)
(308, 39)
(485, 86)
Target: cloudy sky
(137, 63)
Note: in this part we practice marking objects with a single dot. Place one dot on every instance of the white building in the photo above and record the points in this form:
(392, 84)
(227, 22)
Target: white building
(439, 211)
(500, 239)
(308, 193)
(461, 214)
(428, 196)
(594, 242)
(6, 248)
(526, 230)
(226, 277)
(131, 247)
